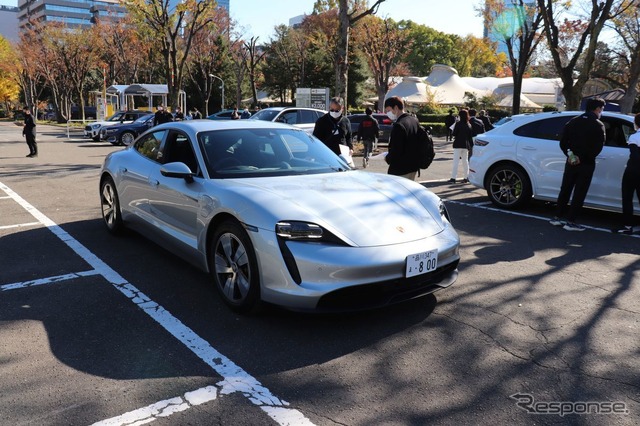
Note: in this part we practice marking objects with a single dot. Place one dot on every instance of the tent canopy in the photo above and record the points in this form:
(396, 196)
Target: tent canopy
(412, 90)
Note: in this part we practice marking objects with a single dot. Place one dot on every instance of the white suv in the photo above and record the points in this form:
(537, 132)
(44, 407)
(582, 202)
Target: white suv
(93, 130)
(522, 159)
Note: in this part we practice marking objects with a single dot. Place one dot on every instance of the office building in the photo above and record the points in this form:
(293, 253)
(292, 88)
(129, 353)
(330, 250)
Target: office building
(9, 22)
(73, 13)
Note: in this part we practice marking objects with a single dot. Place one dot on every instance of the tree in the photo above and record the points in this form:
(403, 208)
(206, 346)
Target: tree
(381, 41)
(9, 71)
(474, 56)
(254, 57)
(428, 47)
(627, 26)
(173, 29)
(571, 40)
(517, 26)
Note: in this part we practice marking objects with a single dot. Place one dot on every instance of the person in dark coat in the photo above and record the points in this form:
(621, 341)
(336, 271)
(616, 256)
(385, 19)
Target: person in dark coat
(482, 115)
(477, 126)
(29, 132)
(404, 134)
(368, 134)
(333, 128)
(162, 116)
(179, 115)
(631, 181)
(449, 120)
(195, 114)
(584, 136)
(462, 141)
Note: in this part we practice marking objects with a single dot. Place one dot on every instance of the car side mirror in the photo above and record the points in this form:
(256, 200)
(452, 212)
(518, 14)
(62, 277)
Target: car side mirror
(177, 170)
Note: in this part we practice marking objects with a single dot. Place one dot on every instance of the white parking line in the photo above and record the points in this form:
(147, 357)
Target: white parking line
(163, 408)
(531, 216)
(49, 280)
(20, 225)
(235, 379)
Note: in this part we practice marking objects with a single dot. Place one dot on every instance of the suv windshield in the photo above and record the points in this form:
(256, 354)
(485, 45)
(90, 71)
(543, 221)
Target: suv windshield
(264, 115)
(262, 152)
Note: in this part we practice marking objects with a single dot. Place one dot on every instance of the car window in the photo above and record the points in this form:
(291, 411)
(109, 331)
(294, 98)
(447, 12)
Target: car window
(116, 117)
(548, 128)
(355, 119)
(289, 117)
(178, 148)
(307, 116)
(617, 131)
(149, 145)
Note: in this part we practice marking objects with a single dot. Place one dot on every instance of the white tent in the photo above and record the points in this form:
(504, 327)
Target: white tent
(412, 90)
(448, 87)
(525, 102)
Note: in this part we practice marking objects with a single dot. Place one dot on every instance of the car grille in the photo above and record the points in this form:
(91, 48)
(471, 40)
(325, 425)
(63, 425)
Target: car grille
(384, 293)
(87, 128)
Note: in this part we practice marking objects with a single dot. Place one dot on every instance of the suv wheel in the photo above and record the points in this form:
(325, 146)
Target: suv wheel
(508, 186)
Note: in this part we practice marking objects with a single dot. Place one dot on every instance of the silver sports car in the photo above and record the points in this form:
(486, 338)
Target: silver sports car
(275, 216)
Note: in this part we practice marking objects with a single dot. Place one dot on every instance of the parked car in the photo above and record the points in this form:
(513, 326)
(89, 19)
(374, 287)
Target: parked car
(304, 118)
(522, 159)
(274, 215)
(126, 133)
(225, 114)
(93, 130)
(384, 122)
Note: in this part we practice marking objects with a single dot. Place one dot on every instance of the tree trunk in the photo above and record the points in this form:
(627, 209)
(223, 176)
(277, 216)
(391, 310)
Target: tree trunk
(342, 56)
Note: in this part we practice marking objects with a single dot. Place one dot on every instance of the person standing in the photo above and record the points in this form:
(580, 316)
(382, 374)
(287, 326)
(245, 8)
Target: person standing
(482, 115)
(462, 141)
(179, 115)
(477, 127)
(333, 128)
(196, 115)
(161, 116)
(401, 156)
(29, 132)
(368, 134)
(631, 181)
(582, 140)
(449, 120)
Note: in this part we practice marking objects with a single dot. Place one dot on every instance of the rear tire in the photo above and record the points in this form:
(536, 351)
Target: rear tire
(111, 214)
(508, 186)
(234, 267)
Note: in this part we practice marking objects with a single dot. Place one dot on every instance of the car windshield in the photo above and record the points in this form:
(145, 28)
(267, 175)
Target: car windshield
(143, 119)
(264, 115)
(266, 152)
(116, 117)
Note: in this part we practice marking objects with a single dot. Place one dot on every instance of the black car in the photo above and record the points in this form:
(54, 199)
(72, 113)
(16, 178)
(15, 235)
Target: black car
(384, 122)
(126, 133)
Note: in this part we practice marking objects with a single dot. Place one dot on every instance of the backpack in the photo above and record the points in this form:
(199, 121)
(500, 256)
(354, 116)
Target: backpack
(425, 151)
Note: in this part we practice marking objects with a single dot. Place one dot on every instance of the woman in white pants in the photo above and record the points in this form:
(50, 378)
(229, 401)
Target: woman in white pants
(462, 140)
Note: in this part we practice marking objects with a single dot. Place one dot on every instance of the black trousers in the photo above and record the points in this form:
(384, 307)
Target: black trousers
(31, 142)
(630, 184)
(576, 179)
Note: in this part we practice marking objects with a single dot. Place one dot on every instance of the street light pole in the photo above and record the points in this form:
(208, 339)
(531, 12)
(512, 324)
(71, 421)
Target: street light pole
(222, 87)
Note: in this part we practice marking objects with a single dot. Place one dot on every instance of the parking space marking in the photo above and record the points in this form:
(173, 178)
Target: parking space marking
(49, 280)
(235, 379)
(20, 225)
(163, 408)
(530, 216)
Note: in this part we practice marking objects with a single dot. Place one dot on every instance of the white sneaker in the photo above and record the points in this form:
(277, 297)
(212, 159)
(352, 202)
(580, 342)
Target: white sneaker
(571, 226)
(556, 221)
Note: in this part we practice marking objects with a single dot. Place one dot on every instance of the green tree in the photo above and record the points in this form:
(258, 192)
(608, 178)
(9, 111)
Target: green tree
(428, 47)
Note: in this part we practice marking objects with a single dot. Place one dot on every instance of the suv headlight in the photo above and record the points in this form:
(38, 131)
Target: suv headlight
(95, 126)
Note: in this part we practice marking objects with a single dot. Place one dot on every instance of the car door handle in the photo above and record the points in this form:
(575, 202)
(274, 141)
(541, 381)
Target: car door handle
(529, 148)
(154, 182)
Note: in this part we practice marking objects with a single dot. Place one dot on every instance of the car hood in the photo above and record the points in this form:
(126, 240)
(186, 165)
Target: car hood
(364, 209)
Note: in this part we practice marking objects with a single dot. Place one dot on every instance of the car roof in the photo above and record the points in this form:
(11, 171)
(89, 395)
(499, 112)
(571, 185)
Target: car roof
(520, 119)
(291, 107)
(205, 125)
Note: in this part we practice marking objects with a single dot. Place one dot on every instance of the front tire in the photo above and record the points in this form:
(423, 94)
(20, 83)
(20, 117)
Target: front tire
(127, 138)
(234, 267)
(508, 186)
(111, 214)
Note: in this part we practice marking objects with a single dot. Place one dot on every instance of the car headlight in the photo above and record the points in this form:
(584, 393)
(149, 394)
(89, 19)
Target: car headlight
(299, 230)
(443, 211)
(304, 231)
(95, 126)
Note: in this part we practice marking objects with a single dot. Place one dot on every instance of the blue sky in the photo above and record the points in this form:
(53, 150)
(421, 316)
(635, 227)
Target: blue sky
(258, 17)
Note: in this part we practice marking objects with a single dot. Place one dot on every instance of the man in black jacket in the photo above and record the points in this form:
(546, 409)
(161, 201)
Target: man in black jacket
(584, 137)
(333, 128)
(401, 157)
(29, 132)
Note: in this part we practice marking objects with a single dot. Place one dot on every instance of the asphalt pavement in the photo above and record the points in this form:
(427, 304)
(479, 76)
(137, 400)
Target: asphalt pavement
(541, 327)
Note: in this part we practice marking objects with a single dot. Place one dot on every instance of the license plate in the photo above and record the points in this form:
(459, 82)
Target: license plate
(421, 263)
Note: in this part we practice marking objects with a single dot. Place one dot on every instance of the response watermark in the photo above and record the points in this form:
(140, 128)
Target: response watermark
(563, 408)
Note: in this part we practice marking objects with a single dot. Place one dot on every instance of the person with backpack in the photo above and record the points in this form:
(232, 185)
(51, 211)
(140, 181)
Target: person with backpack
(401, 156)
(477, 127)
(462, 141)
(368, 134)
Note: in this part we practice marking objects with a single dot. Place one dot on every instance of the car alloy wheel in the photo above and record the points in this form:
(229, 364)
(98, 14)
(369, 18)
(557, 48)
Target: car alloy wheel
(508, 187)
(110, 206)
(234, 267)
(127, 138)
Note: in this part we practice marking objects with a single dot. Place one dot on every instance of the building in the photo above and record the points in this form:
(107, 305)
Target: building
(73, 13)
(9, 22)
